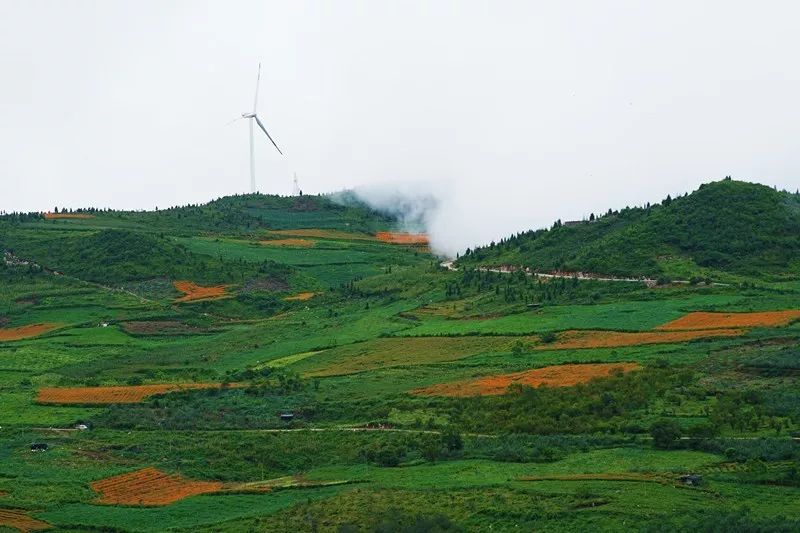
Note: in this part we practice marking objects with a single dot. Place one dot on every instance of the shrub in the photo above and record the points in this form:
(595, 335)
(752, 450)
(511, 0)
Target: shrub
(666, 434)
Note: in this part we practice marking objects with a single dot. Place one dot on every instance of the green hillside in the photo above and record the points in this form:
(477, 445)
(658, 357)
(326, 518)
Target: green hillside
(723, 227)
(262, 363)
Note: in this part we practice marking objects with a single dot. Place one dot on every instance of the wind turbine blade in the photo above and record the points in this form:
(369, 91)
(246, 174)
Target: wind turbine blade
(260, 125)
(232, 121)
(258, 81)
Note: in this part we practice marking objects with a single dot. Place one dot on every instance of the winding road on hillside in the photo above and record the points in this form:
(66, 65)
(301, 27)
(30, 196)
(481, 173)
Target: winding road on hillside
(650, 282)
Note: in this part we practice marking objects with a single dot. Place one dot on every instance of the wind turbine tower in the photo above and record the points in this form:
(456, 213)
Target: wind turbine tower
(296, 186)
(253, 118)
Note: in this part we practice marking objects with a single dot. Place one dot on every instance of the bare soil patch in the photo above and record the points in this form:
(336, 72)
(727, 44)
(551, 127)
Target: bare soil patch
(402, 238)
(551, 376)
(704, 320)
(300, 297)
(150, 487)
(193, 292)
(578, 339)
(25, 332)
(113, 394)
(19, 519)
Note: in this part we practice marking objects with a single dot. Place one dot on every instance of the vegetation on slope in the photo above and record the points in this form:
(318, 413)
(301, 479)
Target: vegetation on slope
(728, 226)
(702, 424)
(116, 256)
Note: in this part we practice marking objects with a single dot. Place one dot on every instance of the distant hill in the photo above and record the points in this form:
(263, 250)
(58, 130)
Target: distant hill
(108, 246)
(114, 256)
(230, 214)
(723, 227)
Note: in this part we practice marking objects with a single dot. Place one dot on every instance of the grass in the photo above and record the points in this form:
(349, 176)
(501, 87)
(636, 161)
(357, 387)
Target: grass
(621, 316)
(388, 352)
(385, 320)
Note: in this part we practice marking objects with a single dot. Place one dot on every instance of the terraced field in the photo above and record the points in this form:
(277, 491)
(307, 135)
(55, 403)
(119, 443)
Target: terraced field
(389, 352)
(112, 395)
(193, 292)
(298, 364)
(575, 339)
(550, 376)
(289, 243)
(149, 486)
(24, 332)
(700, 320)
(20, 520)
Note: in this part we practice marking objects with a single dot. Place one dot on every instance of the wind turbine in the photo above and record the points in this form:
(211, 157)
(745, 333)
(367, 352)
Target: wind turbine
(253, 117)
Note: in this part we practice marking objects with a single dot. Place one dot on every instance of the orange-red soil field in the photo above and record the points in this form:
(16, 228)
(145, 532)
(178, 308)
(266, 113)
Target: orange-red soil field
(402, 238)
(113, 394)
(551, 376)
(701, 320)
(289, 243)
(300, 297)
(17, 519)
(149, 486)
(194, 292)
(54, 216)
(578, 339)
(24, 332)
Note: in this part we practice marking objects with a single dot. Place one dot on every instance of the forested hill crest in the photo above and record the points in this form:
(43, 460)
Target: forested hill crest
(115, 246)
(726, 226)
(241, 213)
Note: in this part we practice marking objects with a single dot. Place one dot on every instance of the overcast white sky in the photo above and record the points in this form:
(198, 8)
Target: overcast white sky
(516, 113)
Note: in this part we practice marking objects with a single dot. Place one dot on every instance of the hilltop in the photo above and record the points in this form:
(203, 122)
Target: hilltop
(106, 246)
(229, 214)
(724, 227)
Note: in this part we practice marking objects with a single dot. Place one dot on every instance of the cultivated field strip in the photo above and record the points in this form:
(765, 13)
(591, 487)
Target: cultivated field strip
(300, 297)
(319, 233)
(703, 320)
(402, 238)
(193, 292)
(579, 339)
(19, 519)
(289, 243)
(25, 332)
(550, 376)
(112, 394)
(150, 487)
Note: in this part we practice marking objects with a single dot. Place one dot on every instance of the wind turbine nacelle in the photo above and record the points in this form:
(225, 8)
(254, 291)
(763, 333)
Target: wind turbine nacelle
(248, 115)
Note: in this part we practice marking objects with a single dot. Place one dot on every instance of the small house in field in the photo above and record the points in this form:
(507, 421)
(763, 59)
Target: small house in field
(287, 416)
(692, 480)
(39, 447)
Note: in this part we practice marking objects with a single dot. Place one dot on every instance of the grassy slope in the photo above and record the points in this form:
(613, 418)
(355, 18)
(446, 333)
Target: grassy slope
(746, 387)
